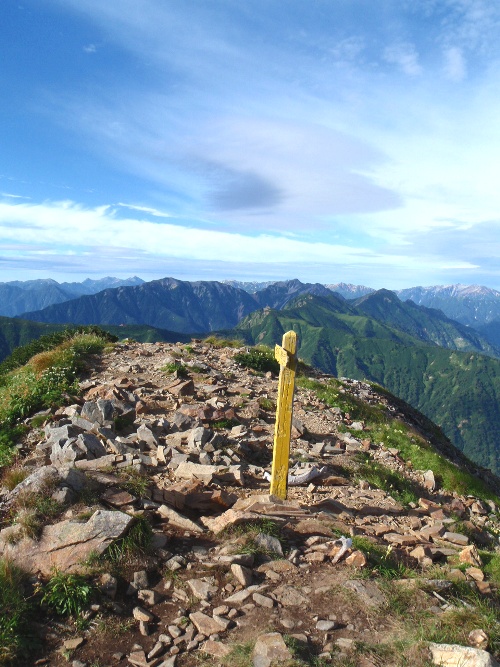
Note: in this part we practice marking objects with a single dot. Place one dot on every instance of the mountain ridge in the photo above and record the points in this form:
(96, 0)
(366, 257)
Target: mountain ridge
(458, 390)
(167, 504)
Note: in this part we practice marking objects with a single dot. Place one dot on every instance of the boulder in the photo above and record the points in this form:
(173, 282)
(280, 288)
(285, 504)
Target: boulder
(270, 649)
(207, 625)
(145, 434)
(91, 446)
(179, 520)
(453, 655)
(43, 478)
(67, 544)
(65, 452)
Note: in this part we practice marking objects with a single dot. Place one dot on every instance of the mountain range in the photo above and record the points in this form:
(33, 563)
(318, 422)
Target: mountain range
(177, 305)
(473, 305)
(17, 296)
(445, 368)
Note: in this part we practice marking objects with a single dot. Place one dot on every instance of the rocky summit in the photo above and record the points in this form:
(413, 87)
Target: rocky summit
(151, 494)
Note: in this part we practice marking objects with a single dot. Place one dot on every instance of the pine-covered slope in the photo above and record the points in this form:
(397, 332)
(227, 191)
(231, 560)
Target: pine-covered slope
(427, 324)
(167, 304)
(460, 391)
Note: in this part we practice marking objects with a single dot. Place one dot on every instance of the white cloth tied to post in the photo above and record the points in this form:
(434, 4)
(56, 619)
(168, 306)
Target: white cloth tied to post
(304, 478)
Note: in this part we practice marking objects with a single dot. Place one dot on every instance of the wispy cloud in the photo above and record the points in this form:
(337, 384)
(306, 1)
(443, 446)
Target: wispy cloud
(145, 209)
(90, 48)
(75, 228)
(12, 196)
(405, 56)
(455, 65)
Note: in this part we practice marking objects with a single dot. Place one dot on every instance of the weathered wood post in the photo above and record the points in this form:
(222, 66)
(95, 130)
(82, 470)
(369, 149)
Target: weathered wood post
(286, 357)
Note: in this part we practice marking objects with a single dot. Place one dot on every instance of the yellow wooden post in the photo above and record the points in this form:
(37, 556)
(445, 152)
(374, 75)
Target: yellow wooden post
(286, 357)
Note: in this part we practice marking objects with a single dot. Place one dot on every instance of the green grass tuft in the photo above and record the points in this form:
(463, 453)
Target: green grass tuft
(67, 594)
(394, 483)
(259, 358)
(16, 613)
(46, 380)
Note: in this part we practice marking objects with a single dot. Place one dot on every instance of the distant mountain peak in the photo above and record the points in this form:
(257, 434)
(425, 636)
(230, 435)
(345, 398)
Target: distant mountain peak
(349, 291)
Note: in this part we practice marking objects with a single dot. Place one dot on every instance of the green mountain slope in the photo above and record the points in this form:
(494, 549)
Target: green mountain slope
(491, 332)
(460, 391)
(427, 324)
(15, 332)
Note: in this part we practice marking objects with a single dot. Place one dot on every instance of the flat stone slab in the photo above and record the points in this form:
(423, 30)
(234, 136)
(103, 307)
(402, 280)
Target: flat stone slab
(177, 519)
(456, 538)
(241, 596)
(453, 655)
(270, 649)
(289, 596)
(203, 590)
(208, 625)
(215, 649)
(401, 540)
(67, 544)
(229, 518)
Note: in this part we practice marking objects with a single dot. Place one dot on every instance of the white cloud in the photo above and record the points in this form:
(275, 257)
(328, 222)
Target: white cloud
(405, 56)
(90, 48)
(76, 229)
(145, 209)
(12, 196)
(455, 66)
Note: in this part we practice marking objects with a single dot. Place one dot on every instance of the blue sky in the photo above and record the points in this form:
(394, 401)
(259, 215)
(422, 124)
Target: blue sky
(339, 140)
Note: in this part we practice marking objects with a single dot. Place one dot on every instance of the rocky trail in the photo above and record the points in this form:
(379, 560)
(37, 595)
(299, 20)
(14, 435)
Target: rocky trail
(169, 444)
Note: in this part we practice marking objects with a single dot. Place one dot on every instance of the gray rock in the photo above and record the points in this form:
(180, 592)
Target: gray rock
(325, 626)
(243, 574)
(107, 409)
(84, 424)
(201, 589)
(74, 479)
(91, 446)
(453, 655)
(368, 591)
(207, 625)
(91, 412)
(182, 422)
(66, 545)
(263, 600)
(198, 437)
(269, 543)
(270, 649)
(43, 478)
(141, 614)
(289, 596)
(177, 519)
(146, 434)
(140, 580)
(64, 432)
(157, 650)
(456, 538)
(65, 452)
